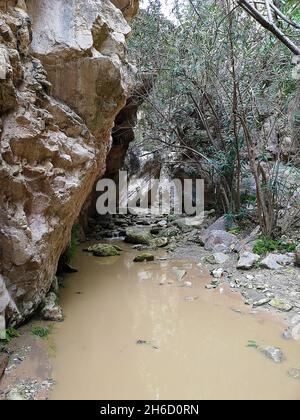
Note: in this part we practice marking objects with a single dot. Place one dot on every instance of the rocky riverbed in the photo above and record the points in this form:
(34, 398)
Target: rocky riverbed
(225, 257)
(270, 281)
(25, 360)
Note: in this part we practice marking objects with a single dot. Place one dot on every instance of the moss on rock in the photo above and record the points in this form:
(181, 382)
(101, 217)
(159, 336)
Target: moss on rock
(104, 250)
(145, 257)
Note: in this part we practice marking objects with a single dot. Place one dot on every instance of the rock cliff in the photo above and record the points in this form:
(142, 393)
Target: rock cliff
(63, 80)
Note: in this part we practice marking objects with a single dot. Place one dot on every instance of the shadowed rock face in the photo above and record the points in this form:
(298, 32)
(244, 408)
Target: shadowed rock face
(129, 7)
(126, 120)
(55, 131)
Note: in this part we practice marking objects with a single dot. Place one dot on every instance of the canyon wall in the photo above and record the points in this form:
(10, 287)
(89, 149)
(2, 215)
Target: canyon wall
(64, 78)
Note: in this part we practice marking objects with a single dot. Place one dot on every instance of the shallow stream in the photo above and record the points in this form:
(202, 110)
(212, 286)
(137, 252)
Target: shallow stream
(133, 331)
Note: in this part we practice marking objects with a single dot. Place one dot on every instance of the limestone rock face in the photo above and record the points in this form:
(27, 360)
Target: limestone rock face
(55, 132)
(82, 46)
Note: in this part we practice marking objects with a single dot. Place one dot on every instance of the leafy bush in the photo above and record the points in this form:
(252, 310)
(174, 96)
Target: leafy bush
(9, 334)
(220, 83)
(265, 245)
(41, 332)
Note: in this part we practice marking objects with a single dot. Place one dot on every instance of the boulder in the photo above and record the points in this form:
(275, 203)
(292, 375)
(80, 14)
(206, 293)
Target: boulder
(220, 224)
(247, 244)
(217, 258)
(50, 309)
(247, 260)
(104, 250)
(138, 236)
(276, 261)
(145, 257)
(219, 241)
(160, 242)
(182, 224)
(170, 232)
(281, 305)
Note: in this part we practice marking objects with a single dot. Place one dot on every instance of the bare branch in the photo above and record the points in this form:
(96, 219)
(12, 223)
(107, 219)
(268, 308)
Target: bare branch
(270, 26)
(284, 17)
(269, 10)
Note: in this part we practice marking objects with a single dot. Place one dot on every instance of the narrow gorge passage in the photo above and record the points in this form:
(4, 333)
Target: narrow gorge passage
(132, 331)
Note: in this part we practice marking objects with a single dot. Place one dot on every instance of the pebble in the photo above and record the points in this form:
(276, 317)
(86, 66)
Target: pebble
(210, 287)
(217, 274)
(261, 302)
(237, 311)
(294, 373)
(188, 284)
(287, 334)
(191, 298)
(281, 305)
(273, 353)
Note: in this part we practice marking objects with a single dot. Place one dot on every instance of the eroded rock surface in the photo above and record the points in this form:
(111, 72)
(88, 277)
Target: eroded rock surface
(129, 7)
(55, 131)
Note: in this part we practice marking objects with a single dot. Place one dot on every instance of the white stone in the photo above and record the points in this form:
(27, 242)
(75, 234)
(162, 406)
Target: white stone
(217, 274)
(247, 260)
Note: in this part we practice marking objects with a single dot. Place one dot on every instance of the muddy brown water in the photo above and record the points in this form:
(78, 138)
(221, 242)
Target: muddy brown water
(195, 349)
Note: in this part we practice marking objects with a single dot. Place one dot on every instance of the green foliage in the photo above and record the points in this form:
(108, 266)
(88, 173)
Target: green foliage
(291, 8)
(41, 332)
(219, 80)
(265, 245)
(288, 87)
(72, 249)
(8, 334)
(230, 220)
(248, 198)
